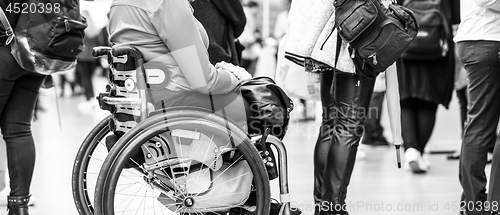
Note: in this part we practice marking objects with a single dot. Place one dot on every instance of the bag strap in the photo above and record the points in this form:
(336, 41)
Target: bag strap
(8, 29)
(337, 51)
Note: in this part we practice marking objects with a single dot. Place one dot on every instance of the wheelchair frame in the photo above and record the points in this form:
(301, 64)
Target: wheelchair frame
(140, 84)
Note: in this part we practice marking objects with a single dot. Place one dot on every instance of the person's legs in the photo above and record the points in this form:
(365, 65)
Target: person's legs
(494, 188)
(352, 95)
(462, 100)
(409, 123)
(18, 95)
(231, 104)
(426, 115)
(15, 125)
(85, 71)
(325, 134)
(373, 130)
(480, 59)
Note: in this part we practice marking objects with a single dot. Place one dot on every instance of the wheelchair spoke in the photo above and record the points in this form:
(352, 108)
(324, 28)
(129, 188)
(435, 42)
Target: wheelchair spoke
(131, 197)
(207, 170)
(206, 153)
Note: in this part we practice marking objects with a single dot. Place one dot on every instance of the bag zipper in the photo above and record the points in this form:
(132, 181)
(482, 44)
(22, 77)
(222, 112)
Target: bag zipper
(374, 55)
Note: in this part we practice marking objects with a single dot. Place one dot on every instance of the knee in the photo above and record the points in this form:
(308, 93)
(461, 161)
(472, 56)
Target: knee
(14, 132)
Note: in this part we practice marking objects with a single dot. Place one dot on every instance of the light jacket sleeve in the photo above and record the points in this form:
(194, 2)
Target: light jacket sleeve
(492, 4)
(181, 32)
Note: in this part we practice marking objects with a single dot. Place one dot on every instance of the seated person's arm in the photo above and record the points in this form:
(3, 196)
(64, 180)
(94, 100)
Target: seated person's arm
(176, 25)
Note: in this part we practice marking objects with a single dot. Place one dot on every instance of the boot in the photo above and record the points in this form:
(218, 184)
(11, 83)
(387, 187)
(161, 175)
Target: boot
(18, 205)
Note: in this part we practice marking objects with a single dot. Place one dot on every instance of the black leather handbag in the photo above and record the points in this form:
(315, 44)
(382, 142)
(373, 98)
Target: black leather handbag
(270, 106)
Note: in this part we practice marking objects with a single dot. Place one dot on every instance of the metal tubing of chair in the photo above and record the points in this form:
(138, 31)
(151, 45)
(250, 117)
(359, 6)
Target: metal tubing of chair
(143, 104)
(283, 177)
(121, 101)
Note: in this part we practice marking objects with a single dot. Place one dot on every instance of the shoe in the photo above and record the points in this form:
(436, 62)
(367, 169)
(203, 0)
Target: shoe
(18, 205)
(454, 156)
(426, 161)
(413, 159)
(276, 207)
(3, 200)
(87, 106)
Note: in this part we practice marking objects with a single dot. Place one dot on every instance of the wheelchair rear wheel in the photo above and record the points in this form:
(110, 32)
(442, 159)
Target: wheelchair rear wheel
(192, 163)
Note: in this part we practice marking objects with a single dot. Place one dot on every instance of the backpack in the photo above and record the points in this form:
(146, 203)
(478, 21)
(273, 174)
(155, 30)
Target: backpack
(377, 35)
(432, 37)
(49, 35)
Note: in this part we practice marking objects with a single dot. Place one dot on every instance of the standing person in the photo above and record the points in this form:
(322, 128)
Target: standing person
(461, 91)
(478, 44)
(374, 132)
(280, 29)
(3, 176)
(87, 64)
(250, 38)
(345, 97)
(424, 84)
(224, 21)
(18, 95)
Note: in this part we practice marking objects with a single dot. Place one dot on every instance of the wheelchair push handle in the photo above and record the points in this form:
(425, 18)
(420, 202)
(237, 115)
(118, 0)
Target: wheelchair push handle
(100, 51)
(126, 50)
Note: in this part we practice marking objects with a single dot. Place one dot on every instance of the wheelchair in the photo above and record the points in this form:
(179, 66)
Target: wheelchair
(176, 160)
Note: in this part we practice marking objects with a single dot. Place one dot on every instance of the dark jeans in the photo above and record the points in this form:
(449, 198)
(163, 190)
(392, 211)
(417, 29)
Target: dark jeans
(373, 129)
(418, 118)
(18, 95)
(481, 60)
(345, 99)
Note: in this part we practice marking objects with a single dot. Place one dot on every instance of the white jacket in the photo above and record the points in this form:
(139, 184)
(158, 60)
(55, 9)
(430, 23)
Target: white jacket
(311, 34)
(480, 20)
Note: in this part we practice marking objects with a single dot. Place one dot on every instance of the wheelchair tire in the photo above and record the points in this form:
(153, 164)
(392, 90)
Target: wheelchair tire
(81, 183)
(112, 197)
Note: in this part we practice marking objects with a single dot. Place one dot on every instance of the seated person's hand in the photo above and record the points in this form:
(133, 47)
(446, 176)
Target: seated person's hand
(239, 72)
(104, 62)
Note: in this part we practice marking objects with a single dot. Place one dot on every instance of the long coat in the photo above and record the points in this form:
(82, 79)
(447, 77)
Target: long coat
(224, 20)
(431, 80)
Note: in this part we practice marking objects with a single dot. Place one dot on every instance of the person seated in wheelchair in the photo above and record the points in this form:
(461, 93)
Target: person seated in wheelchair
(167, 33)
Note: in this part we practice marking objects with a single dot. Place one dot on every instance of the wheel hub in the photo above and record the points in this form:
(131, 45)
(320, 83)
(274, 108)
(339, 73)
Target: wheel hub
(189, 202)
